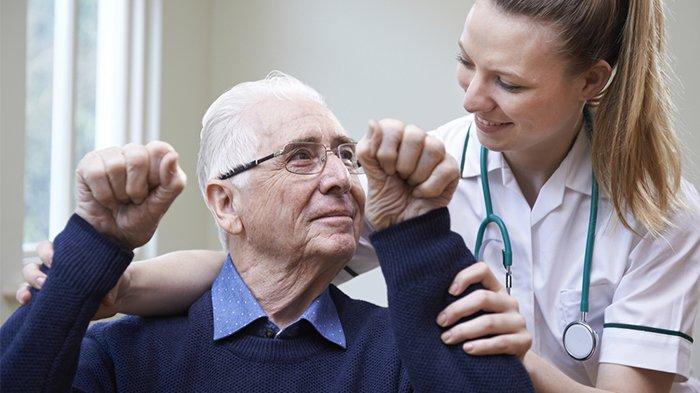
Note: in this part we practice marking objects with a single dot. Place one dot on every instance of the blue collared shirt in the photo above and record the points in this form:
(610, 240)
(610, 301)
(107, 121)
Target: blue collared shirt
(235, 308)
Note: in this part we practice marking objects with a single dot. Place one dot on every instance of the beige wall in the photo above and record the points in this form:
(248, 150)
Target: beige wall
(185, 96)
(684, 45)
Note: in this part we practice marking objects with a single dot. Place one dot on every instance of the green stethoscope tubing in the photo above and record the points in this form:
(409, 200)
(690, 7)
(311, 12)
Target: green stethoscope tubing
(507, 252)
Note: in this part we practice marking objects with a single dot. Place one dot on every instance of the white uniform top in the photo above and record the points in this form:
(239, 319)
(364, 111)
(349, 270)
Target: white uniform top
(644, 291)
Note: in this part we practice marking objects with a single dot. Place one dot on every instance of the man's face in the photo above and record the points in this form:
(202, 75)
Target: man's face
(294, 215)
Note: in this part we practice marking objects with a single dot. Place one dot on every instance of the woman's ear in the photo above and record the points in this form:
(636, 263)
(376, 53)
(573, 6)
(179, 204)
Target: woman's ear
(595, 79)
(221, 199)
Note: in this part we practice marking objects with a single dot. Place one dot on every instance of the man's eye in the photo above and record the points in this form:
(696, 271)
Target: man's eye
(300, 155)
(346, 155)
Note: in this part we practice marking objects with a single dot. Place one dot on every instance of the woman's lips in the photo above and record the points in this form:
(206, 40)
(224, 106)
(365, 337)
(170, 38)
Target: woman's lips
(489, 127)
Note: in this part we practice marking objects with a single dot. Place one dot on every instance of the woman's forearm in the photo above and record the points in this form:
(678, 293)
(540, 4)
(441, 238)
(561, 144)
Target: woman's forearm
(546, 378)
(611, 378)
(170, 283)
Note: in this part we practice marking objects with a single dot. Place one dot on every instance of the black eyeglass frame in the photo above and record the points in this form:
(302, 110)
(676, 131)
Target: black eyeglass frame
(252, 164)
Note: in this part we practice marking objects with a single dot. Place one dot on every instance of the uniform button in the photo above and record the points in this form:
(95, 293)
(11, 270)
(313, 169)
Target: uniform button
(269, 333)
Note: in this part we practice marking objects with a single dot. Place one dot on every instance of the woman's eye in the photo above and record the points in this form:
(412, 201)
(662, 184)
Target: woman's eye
(463, 60)
(508, 86)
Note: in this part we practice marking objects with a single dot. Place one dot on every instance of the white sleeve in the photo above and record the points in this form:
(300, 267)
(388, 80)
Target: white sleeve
(650, 321)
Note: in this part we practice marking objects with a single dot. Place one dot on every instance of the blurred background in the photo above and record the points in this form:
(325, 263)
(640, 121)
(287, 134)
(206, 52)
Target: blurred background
(83, 74)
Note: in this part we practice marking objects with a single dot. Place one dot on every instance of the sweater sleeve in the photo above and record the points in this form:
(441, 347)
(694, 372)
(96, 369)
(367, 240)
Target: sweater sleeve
(419, 259)
(41, 342)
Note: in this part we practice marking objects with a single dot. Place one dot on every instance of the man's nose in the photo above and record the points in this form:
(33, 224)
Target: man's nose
(335, 177)
(477, 96)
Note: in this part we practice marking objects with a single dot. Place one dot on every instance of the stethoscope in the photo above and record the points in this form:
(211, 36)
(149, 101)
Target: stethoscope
(579, 339)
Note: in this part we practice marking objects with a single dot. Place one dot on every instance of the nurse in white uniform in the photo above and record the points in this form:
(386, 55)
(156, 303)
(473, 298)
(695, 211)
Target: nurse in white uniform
(620, 270)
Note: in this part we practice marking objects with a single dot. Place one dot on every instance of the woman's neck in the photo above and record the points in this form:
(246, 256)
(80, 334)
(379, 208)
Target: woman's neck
(533, 167)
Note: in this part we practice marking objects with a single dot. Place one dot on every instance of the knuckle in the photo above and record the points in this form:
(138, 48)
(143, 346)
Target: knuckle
(384, 154)
(481, 268)
(137, 163)
(452, 313)
(482, 296)
(92, 174)
(116, 168)
(451, 166)
(501, 343)
(392, 125)
(362, 148)
(415, 132)
(159, 147)
(489, 323)
(513, 303)
(461, 277)
(28, 270)
(435, 146)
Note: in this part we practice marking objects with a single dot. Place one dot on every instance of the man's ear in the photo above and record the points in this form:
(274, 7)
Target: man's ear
(595, 79)
(221, 199)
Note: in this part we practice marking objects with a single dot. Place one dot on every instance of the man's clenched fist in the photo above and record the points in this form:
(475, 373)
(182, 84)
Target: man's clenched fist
(124, 192)
(408, 172)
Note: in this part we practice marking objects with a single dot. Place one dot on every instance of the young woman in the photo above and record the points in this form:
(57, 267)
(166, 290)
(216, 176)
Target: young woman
(570, 128)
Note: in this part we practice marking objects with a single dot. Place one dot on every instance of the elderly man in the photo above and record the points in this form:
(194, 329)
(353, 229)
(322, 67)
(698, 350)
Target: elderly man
(279, 175)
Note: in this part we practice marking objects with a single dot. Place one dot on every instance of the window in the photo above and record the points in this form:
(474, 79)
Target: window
(39, 80)
(92, 79)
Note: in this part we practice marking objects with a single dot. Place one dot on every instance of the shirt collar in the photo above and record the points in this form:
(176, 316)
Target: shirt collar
(235, 307)
(580, 175)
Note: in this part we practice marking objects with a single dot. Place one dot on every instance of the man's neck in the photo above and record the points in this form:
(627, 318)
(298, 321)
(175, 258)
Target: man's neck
(284, 288)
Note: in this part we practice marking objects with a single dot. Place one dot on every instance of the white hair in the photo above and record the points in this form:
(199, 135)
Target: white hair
(228, 136)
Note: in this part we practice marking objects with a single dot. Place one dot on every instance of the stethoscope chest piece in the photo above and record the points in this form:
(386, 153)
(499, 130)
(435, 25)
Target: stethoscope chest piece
(580, 340)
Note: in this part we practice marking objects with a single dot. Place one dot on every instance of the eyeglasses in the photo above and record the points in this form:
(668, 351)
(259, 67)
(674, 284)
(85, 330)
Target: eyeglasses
(305, 158)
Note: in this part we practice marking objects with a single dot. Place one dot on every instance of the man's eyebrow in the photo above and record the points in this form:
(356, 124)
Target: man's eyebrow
(305, 139)
(339, 140)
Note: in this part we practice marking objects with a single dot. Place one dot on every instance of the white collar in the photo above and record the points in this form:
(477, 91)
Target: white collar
(577, 163)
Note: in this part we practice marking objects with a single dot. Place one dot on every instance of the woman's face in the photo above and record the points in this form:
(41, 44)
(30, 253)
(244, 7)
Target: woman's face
(516, 83)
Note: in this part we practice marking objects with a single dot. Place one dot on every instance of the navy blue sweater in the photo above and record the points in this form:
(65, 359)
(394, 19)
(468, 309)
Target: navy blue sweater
(45, 346)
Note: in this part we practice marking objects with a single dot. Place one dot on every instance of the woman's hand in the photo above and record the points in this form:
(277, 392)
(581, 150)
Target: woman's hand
(35, 278)
(503, 321)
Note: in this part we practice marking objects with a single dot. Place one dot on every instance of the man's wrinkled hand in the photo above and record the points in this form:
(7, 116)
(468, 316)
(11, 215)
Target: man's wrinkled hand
(408, 172)
(124, 192)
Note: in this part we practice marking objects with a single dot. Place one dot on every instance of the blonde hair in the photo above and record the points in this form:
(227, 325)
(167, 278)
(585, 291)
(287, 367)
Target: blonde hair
(635, 151)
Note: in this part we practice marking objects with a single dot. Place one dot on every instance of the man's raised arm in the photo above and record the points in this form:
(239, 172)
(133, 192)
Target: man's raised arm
(122, 193)
(410, 182)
